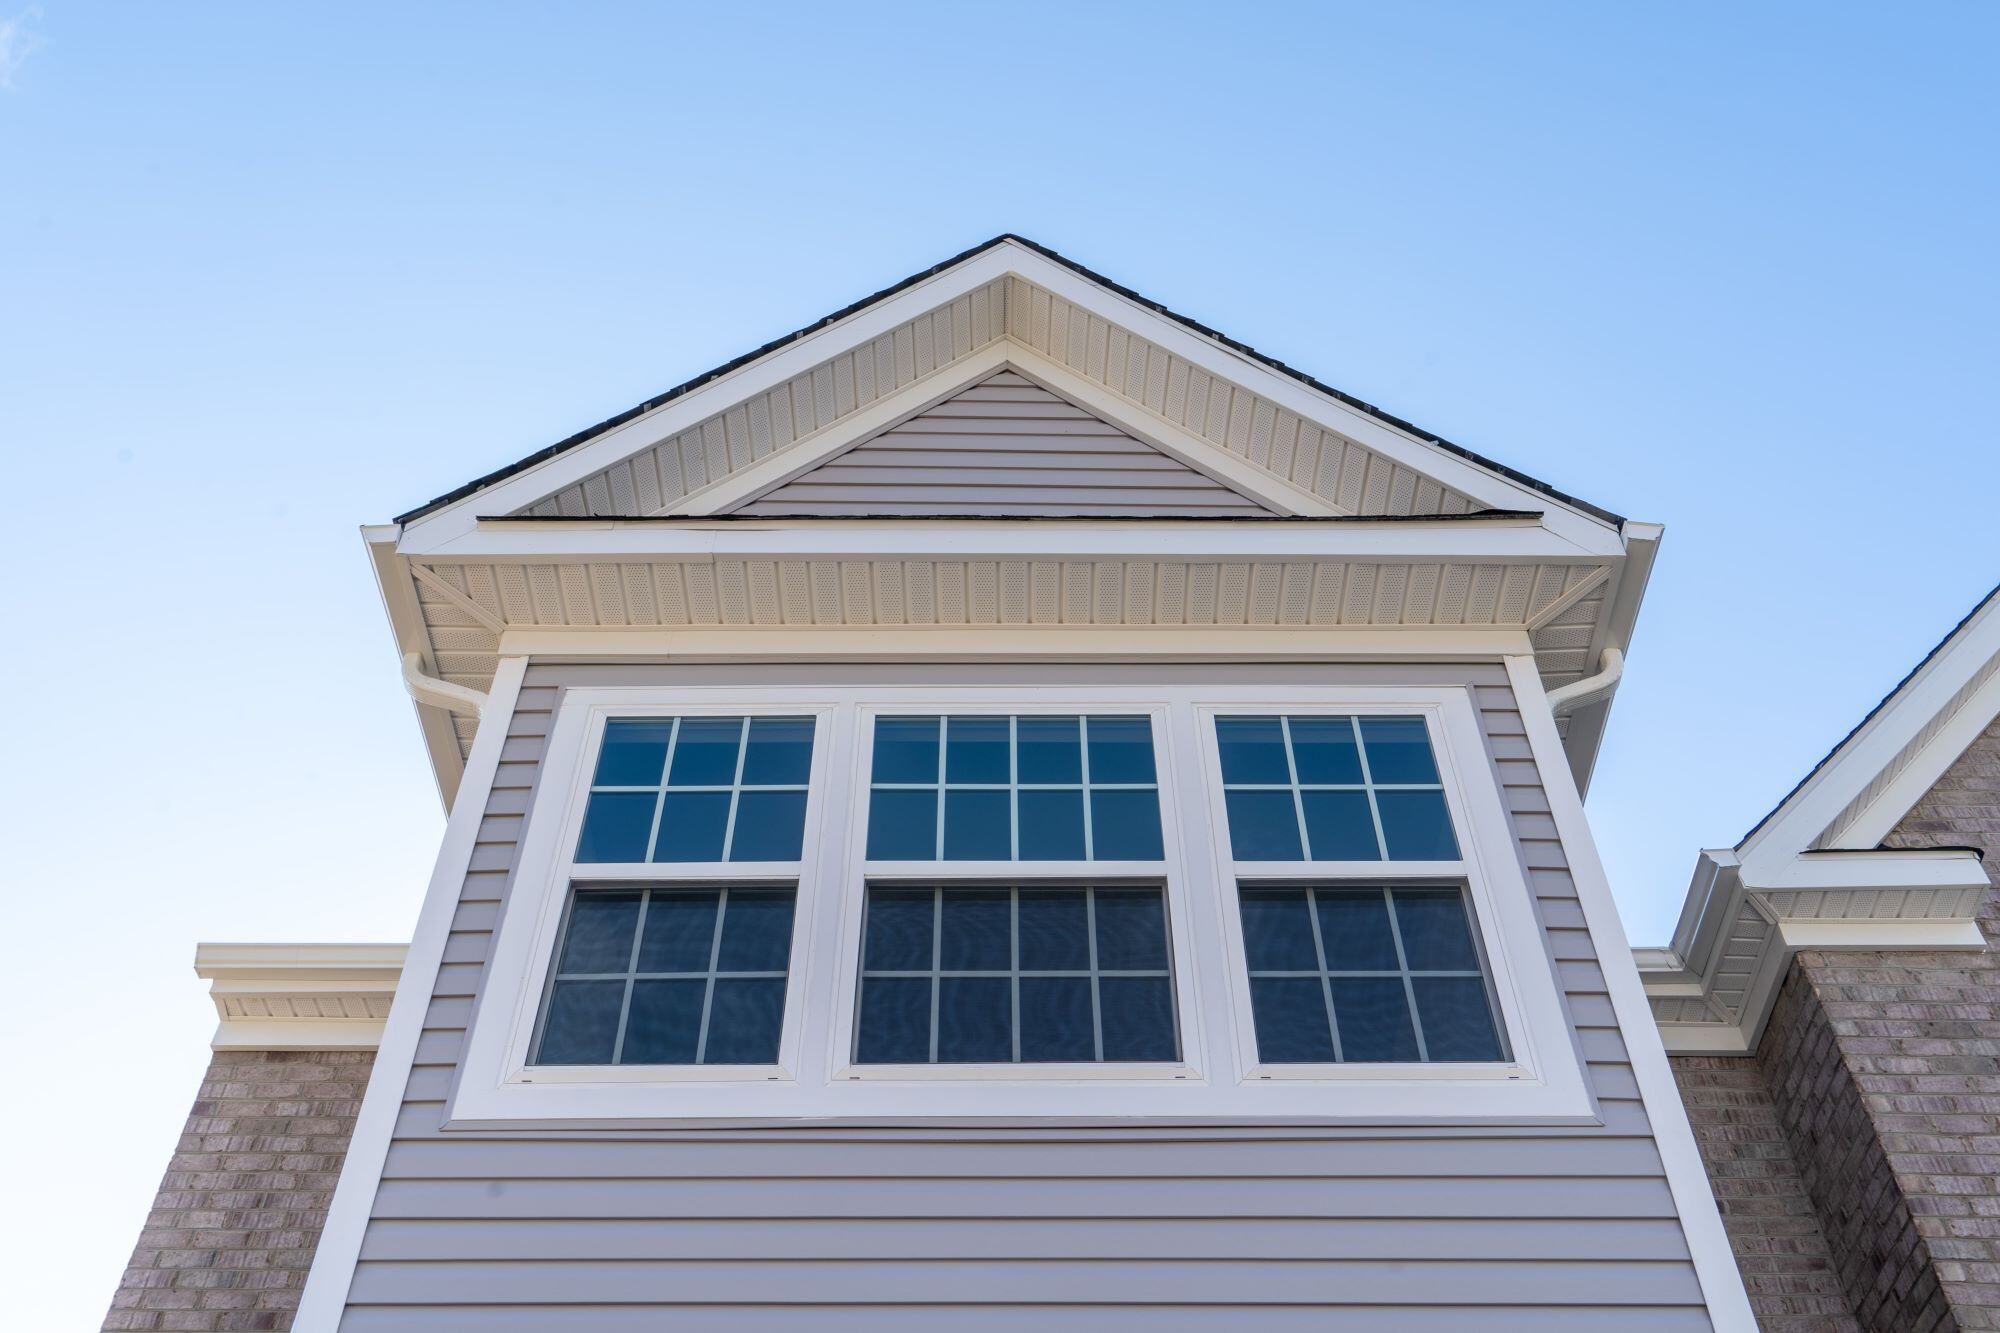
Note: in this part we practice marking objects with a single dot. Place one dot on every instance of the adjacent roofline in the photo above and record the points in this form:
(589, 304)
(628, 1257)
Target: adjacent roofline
(1194, 326)
(1873, 713)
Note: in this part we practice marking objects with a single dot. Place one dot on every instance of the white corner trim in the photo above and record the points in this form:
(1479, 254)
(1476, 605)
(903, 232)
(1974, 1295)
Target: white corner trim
(299, 997)
(325, 1294)
(1714, 1261)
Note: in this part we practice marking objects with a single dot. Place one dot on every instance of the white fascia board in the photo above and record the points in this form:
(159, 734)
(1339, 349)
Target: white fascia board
(1585, 736)
(1863, 757)
(427, 533)
(299, 997)
(1921, 771)
(1388, 643)
(1873, 936)
(1521, 540)
(406, 626)
(1704, 1039)
(1869, 871)
(1459, 473)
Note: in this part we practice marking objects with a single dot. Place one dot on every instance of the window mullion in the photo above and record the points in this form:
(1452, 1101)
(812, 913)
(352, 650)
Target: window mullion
(1368, 778)
(631, 971)
(736, 787)
(708, 985)
(1014, 960)
(1292, 780)
(660, 799)
(1096, 997)
(1325, 972)
(1083, 795)
(937, 957)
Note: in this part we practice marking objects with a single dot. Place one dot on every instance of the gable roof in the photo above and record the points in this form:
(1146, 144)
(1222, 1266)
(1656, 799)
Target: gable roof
(597, 431)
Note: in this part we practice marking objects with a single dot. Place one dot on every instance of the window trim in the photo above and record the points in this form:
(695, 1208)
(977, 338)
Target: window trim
(1215, 1083)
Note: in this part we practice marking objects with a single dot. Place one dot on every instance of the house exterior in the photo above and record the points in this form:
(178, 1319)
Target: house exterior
(1831, 1003)
(1002, 807)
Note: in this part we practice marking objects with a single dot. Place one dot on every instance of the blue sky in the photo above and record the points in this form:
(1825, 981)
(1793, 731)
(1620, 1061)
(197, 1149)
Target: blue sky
(271, 272)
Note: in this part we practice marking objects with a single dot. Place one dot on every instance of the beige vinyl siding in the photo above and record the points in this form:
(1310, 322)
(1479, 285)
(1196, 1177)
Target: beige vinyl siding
(1176, 1227)
(1004, 446)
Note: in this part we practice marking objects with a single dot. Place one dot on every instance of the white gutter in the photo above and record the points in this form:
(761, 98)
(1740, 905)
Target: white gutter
(439, 693)
(1576, 694)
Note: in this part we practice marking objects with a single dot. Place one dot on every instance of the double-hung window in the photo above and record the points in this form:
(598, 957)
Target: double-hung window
(879, 901)
(1014, 895)
(677, 937)
(1358, 934)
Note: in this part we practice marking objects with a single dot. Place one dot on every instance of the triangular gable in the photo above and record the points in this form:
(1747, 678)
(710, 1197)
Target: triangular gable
(1004, 445)
(1260, 427)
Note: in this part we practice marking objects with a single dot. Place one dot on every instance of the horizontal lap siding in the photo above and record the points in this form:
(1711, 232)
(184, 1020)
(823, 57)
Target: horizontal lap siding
(1513, 1228)
(1004, 446)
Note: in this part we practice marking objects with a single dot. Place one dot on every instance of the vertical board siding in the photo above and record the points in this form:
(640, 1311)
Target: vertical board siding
(1425, 1228)
(1004, 446)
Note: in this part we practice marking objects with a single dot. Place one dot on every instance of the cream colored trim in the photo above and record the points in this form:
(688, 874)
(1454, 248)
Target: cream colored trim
(294, 997)
(1391, 642)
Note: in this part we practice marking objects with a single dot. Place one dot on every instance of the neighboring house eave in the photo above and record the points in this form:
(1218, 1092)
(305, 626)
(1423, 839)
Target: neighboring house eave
(1813, 874)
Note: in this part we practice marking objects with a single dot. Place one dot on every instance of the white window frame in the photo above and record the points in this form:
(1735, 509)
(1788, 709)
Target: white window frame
(1217, 1080)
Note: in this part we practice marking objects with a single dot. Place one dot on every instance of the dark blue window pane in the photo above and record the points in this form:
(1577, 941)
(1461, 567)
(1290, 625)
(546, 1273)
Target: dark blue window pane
(1340, 826)
(1137, 1017)
(977, 826)
(975, 1020)
(1416, 825)
(1124, 826)
(1458, 1022)
(906, 749)
(1437, 937)
(976, 750)
(899, 930)
(1052, 825)
(665, 1023)
(1374, 1018)
(779, 753)
(745, 1018)
(1323, 750)
(1055, 1019)
(902, 826)
(1121, 749)
(582, 1023)
(894, 1026)
(1354, 930)
(633, 753)
(1399, 750)
(691, 826)
(976, 934)
(705, 752)
(1131, 930)
(1291, 1021)
(1055, 930)
(1277, 930)
(1263, 826)
(756, 931)
(680, 932)
(616, 825)
(1253, 750)
(599, 938)
(1050, 749)
(770, 826)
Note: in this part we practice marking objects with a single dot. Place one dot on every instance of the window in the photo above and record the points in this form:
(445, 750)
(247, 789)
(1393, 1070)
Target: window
(1362, 975)
(1333, 789)
(698, 789)
(669, 977)
(1000, 788)
(1154, 896)
(1011, 975)
(1342, 972)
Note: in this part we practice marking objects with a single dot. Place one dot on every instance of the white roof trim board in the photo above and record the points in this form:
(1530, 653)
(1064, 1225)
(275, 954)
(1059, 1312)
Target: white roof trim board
(1813, 874)
(295, 997)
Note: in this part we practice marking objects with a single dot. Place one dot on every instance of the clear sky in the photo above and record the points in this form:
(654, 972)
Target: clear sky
(268, 272)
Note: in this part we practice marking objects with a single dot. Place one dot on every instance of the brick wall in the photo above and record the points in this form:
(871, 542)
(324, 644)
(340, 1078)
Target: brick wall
(232, 1230)
(1772, 1226)
(1920, 1033)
